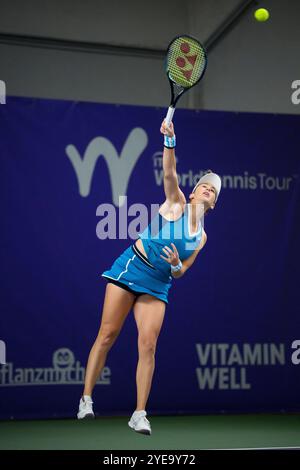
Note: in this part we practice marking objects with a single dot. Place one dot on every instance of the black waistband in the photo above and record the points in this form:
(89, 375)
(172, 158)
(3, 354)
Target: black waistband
(141, 256)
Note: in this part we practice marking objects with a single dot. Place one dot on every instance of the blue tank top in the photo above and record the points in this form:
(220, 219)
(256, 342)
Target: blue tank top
(161, 232)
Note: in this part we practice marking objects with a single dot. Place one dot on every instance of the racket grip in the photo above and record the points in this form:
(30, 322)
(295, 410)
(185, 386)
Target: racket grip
(169, 115)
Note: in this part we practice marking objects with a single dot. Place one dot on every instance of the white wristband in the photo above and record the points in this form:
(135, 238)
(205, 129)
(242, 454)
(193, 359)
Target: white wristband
(170, 142)
(176, 268)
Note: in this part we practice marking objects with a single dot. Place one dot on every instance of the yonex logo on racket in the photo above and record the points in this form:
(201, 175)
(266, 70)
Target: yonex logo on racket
(186, 62)
(2, 352)
(2, 92)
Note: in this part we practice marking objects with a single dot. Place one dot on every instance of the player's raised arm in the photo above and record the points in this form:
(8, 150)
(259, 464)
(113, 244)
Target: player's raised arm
(171, 187)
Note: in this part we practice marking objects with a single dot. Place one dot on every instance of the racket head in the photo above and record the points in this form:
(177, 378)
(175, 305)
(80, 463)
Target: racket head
(186, 61)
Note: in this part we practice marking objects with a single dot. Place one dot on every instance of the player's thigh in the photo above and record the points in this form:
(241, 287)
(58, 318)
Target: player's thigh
(116, 306)
(149, 315)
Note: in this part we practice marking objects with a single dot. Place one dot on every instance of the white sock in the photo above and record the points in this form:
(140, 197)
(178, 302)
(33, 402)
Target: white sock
(87, 398)
(137, 413)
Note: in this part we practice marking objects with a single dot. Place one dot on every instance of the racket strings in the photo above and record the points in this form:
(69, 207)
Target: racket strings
(186, 61)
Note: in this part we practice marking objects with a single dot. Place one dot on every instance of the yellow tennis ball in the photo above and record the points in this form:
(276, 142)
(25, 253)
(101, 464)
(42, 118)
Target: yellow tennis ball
(262, 14)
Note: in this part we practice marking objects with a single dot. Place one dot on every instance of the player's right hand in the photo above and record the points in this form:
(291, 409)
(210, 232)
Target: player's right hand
(167, 130)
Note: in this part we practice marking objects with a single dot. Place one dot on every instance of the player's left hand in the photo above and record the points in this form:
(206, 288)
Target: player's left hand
(173, 256)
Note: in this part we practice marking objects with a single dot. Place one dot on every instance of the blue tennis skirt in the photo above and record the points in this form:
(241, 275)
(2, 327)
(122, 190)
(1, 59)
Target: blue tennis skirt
(133, 272)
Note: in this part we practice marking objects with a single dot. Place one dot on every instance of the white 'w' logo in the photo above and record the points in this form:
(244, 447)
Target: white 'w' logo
(119, 167)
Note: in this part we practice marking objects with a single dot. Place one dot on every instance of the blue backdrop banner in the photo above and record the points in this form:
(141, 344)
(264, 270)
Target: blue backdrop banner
(230, 341)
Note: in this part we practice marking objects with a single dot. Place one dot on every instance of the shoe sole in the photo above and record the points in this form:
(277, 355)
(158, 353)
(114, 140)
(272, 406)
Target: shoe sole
(87, 416)
(141, 431)
(145, 432)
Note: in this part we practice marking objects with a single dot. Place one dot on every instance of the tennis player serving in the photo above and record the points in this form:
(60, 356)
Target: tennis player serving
(140, 278)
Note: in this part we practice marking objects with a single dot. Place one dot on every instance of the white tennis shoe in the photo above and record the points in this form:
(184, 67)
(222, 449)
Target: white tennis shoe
(139, 423)
(85, 408)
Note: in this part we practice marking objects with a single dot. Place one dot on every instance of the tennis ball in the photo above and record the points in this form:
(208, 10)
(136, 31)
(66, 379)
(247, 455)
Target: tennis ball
(261, 14)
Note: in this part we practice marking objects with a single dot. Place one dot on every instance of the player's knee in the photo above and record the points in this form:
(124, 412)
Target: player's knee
(107, 337)
(147, 345)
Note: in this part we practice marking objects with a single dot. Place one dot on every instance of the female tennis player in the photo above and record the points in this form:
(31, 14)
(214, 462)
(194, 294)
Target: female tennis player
(141, 276)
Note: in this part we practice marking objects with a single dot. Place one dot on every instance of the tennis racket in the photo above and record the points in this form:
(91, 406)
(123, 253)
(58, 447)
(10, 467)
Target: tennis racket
(185, 65)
